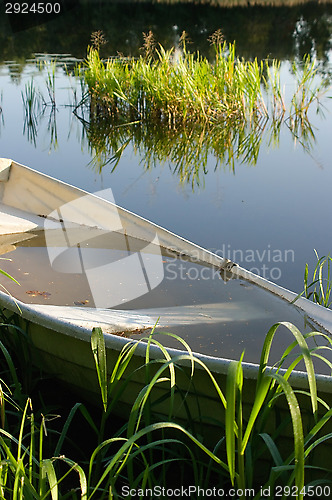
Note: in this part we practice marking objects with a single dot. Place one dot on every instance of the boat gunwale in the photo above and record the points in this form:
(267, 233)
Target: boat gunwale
(218, 365)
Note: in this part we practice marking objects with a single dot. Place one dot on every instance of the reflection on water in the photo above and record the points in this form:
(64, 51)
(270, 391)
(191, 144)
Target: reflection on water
(36, 110)
(186, 148)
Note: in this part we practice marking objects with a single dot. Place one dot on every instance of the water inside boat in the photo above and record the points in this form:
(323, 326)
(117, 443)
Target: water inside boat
(215, 315)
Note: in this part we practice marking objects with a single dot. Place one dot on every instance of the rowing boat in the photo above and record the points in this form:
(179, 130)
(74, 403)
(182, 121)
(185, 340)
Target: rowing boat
(83, 262)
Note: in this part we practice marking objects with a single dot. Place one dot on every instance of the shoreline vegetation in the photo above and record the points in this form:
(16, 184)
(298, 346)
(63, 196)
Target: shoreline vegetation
(176, 88)
(251, 450)
(181, 107)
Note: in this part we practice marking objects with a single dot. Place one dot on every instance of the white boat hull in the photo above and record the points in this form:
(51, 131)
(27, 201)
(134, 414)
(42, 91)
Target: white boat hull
(61, 334)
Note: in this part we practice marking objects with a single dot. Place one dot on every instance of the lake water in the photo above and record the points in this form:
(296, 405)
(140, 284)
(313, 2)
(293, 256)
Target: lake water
(267, 214)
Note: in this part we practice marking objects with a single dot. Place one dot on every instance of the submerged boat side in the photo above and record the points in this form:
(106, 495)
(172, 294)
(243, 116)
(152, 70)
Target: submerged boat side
(38, 195)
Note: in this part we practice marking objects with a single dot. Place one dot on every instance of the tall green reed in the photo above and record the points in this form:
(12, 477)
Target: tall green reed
(247, 437)
(309, 88)
(50, 80)
(50, 68)
(319, 287)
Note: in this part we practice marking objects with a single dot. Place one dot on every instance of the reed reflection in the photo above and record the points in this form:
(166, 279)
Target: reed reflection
(186, 147)
(187, 150)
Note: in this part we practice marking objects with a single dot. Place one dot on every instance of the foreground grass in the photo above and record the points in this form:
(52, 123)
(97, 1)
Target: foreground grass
(146, 452)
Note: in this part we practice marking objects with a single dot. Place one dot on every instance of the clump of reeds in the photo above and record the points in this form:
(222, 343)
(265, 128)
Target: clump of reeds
(247, 436)
(179, 88)
(36, 105)
(182, 90)
(319, 288)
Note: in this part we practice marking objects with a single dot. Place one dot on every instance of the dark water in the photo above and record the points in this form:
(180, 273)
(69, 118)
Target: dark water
(283, 31)
(268, 212)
